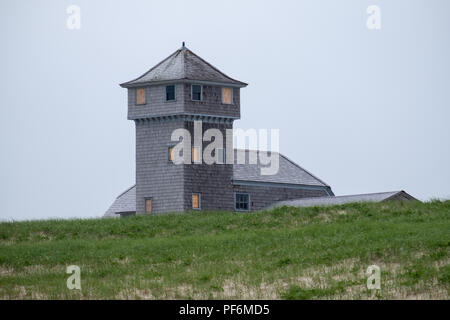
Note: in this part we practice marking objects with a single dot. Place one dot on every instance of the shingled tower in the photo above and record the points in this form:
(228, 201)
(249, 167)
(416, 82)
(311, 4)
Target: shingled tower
(177, 95)
(179, 90)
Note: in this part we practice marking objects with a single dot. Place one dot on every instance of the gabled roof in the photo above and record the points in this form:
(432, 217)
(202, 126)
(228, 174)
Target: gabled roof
(183, 64)
(125, 202)
(328, 201)
(288, 172)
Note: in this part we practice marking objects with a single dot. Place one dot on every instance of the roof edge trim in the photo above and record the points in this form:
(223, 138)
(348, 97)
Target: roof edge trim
(279, 185)
(189, 81)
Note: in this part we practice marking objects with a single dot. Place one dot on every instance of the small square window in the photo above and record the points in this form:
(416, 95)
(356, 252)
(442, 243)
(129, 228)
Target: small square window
(196, 92)
(242, 201)
(140, 96)
(196, 154)
(227, 95)
(196, 201)
(170, 93)
(148, 205)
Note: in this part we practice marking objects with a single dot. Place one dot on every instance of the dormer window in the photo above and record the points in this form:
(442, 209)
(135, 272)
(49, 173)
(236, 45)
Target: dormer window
(227, 95)
(196, 92)
(140, 96)
(170, 93)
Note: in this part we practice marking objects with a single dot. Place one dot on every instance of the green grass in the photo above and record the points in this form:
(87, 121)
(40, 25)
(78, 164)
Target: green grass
(287, 253)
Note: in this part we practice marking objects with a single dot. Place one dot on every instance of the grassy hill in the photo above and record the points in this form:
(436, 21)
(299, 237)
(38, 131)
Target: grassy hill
(287, 253)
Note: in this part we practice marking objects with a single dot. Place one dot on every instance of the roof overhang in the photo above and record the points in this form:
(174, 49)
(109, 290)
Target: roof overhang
(187, 117)
(278, 185)
(175, 81)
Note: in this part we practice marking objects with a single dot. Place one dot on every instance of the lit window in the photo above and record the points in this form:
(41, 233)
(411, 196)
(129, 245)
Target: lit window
(148, 205)
(140, 96)
(227, 95)
(195, 154)
(242, 201)
(171, 153)
(196, 201)
(170, 93)
(196, 92)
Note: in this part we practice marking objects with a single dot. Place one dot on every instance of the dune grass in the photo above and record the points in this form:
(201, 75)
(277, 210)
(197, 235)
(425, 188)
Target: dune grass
(286, 253)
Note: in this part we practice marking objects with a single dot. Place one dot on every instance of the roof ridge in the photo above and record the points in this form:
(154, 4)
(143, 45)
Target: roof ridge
(295, 164)
(183, 58)
(342, 196)
(216, 69)
(370, 193)
(134, 185)
(406, 193)
(151, 69)
(184, 72)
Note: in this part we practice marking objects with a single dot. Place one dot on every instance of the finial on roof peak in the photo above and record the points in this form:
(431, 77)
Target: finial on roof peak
(183, 46)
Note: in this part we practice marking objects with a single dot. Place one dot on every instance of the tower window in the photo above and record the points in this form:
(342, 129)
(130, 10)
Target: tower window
(196, 201)
(196, 154)
(227, 95)
(242, 201)
(148, 205)
(170, 153)
(197, 92)
(170, 93)
(140, 96)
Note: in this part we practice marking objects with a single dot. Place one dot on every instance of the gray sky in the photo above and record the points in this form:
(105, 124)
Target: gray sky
(364, 110)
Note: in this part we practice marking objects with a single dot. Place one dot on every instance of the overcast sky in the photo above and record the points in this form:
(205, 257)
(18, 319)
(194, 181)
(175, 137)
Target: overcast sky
(364, 110)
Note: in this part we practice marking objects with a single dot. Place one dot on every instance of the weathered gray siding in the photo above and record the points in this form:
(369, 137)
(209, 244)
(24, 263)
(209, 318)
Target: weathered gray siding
(211, 103)
(156, 177)
(261, 197)
(213, 182)
(156, 104)
(171, 186)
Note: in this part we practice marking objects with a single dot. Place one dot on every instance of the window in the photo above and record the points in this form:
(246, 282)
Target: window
(170, 93)
(126, 214)
(227, 95)
(140, 96)
(196, 201)
(220, 156)
(196, 154)
(196, 92)
(171, 153)
(148, 205)
(242, 201)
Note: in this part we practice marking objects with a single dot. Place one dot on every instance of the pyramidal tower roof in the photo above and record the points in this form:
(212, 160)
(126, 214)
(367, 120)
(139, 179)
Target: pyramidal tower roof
(183, 65)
